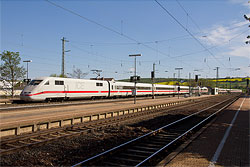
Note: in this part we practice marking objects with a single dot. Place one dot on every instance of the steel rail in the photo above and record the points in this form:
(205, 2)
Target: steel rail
(186, 133)
(100, 123)
(83, 102)
(148, 134)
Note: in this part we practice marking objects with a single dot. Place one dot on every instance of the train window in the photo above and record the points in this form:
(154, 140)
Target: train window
(143, 88)
(112, 87)
(119, 87)
(127, 87)
(99, 84)
(159, 88)
(35, 82)
(47, 83)
(59, 82)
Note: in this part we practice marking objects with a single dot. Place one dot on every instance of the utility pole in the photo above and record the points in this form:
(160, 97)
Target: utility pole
(180, 68)
(217, 76)
(179, 73)
(153, 81)
(174, 76)
(63, 54)
(189, 84)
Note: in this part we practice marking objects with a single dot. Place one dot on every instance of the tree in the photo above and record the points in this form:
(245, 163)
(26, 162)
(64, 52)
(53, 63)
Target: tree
(77, 73)
(55, 75)
(11, 71)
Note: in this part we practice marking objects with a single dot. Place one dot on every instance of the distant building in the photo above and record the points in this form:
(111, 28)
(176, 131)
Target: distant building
(5, 89)
(5, 85)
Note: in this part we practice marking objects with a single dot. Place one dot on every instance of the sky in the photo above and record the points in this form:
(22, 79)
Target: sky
(195, 35)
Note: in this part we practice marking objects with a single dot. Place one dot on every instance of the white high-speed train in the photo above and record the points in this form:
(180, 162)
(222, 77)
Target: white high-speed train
(53, 88)
(223, 91)
(200, 90)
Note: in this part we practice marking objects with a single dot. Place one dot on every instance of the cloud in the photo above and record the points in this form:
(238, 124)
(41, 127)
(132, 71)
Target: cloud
(219, 34)
(245, 71)
(245, 3)
(232, 38)
(241, 51)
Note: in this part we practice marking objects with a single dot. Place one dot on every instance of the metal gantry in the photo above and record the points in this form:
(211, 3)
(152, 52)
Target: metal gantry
(135, 78)
(27, 61)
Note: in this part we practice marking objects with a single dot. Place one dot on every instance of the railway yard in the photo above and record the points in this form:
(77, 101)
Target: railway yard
(125, 83)
(166, 131)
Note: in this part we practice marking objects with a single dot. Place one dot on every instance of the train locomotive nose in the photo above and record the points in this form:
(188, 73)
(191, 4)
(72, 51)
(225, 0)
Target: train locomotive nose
(25, 96)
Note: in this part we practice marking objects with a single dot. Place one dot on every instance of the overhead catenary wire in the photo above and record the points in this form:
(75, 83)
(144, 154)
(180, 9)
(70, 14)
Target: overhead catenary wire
(238, 35)
(131, 43)
(198, 41)
(198, 27)
(188, 15)
(116, 32)
(238, 25)
(132, 39)
(52, 56)
(95, 54)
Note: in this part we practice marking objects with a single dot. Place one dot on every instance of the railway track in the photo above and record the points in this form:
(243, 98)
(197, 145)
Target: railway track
(148, 149)
(11, 107)
(9, 145)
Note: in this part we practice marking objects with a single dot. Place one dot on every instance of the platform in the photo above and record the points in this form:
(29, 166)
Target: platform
(25, 121)
(224, 143)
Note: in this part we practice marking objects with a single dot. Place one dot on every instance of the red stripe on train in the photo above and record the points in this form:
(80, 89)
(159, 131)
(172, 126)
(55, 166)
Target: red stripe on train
(47, 92)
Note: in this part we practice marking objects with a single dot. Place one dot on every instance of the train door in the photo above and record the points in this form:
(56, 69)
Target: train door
(60, 88)
(110, 88)
(215, 91)
(66, 91)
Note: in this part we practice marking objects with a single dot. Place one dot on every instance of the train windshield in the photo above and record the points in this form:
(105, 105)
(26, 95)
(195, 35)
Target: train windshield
(35, 82)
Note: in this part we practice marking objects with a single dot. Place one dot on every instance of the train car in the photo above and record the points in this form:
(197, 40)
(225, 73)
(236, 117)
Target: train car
(200, 90)
(224, 91)
(215, 91)
(127, 88)
(50, 88)
(54, 88)
(235, 90)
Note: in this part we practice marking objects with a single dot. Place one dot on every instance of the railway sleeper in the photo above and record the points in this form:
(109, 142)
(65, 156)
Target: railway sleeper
(75, 130)
(2, 150)
(35, 140)
(134, 155)
(155, 142)
(175, 131)
(145, 148)
(170, 136)
(23, 142)
(54, 135)
(47, 137)
(112, 164)
(63, 133)
(151, 145)
(72, 132)
(139, 151)
(163, 138)
(127, 160)
(11, 145)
